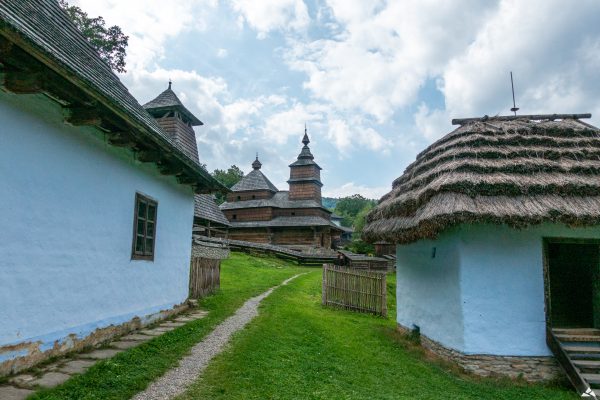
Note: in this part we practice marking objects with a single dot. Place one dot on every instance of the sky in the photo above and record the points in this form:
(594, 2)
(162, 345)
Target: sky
(375, 82)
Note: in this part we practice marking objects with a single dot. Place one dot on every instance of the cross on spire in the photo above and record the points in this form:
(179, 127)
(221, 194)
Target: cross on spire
(170, 83)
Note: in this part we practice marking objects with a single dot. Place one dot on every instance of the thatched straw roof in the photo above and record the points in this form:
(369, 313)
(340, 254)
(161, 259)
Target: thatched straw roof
(517, 171)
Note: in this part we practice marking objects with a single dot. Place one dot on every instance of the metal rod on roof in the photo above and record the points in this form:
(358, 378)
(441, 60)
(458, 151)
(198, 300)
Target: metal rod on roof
(515, 108)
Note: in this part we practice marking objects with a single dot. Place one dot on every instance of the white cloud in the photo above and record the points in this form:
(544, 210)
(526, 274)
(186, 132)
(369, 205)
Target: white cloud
(550, 52)
(346, 136)
(289, 122)
(432, 124)
(363, 69)
(265, 16)
(149, 23)
(385, 52)
(350, 188)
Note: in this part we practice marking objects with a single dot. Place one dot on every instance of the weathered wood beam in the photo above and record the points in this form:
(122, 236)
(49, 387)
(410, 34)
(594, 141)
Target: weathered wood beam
(121, 139)
(167, 168)
(5, 48)
(149, 155)
(186, 180)
(23, 82)
(83, 115)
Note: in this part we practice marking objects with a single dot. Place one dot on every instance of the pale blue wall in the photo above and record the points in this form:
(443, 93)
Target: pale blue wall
(428, 289)
(66, 212)
(484, 291)
(502, 280)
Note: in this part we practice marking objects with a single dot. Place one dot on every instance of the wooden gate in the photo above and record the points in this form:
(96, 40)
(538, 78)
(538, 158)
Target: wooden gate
(205, 277)
(357, 290)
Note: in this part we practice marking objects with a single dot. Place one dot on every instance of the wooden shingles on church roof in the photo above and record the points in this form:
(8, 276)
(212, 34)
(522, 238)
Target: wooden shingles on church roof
(254, 180)
(42, 51)
(205, 208)
(296, 221)
(510, 170)
(279, 200)
(167, 101)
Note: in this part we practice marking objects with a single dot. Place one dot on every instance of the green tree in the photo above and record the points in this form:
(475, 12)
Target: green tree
(109, 42)
(350, 207)
(228, 177)
(360, 220)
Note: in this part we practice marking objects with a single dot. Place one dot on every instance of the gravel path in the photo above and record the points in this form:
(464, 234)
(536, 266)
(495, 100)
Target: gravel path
(175, 381)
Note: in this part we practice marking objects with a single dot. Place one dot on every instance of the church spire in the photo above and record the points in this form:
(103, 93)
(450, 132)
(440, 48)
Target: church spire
(305, 176)
(305, 139)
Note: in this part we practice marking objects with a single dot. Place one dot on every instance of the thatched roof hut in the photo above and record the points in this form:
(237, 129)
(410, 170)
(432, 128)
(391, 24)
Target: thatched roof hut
(517, 171)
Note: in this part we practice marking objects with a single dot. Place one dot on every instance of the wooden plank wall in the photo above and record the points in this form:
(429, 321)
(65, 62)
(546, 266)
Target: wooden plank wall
(362, 291)
(205, 277)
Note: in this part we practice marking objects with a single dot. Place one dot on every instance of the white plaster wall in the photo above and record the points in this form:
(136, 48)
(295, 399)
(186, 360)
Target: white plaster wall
(66, 225)
(428, 289)
(502, 285)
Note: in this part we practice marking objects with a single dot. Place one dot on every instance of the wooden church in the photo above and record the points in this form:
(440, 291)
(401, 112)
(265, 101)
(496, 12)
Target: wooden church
(294, 218)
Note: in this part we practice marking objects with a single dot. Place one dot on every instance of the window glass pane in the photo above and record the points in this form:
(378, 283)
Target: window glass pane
(150, 229)
(140, 227)
(141, 209)
(149, 245)
(151, 212)
(139, 244)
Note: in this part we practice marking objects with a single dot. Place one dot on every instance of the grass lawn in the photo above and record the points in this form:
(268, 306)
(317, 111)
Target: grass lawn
(296, 349)
(129, 372)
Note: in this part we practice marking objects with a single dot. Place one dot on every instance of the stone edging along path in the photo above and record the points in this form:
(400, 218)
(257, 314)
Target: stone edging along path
(58, 372)
(176, 380)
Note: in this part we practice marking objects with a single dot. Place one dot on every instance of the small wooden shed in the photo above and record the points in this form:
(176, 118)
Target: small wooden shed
(362, 261)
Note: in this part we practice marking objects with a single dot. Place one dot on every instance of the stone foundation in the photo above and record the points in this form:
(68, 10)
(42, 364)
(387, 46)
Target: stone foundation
(532, 369)
(29, 353)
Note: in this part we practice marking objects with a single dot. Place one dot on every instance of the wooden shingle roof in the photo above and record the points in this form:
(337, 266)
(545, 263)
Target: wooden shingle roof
(38, 40)
(168, 100)
(295, 221)
(205, 208)
(254, 180)
(507, 170)
(280, 199)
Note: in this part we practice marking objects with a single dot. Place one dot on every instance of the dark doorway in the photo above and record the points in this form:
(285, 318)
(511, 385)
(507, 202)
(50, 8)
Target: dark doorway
(572, 289)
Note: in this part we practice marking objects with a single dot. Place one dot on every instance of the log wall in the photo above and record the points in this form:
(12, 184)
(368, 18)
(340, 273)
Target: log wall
(232, 197)
(249, 214)
(305, 171)
(319, 237)
(250, 235)
(305, 191)
(182, 133)
(304, 212)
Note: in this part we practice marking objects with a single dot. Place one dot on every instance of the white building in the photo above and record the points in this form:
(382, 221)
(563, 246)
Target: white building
(497, 227)
(96, 199)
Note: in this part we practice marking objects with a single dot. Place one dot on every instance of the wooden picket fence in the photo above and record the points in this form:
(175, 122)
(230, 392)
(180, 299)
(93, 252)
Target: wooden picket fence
(205, 276)
(357, 290)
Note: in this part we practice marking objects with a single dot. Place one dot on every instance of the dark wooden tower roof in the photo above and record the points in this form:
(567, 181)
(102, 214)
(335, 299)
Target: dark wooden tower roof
(519, 171)
(168, 101)
(305, 157)
(255, 180)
